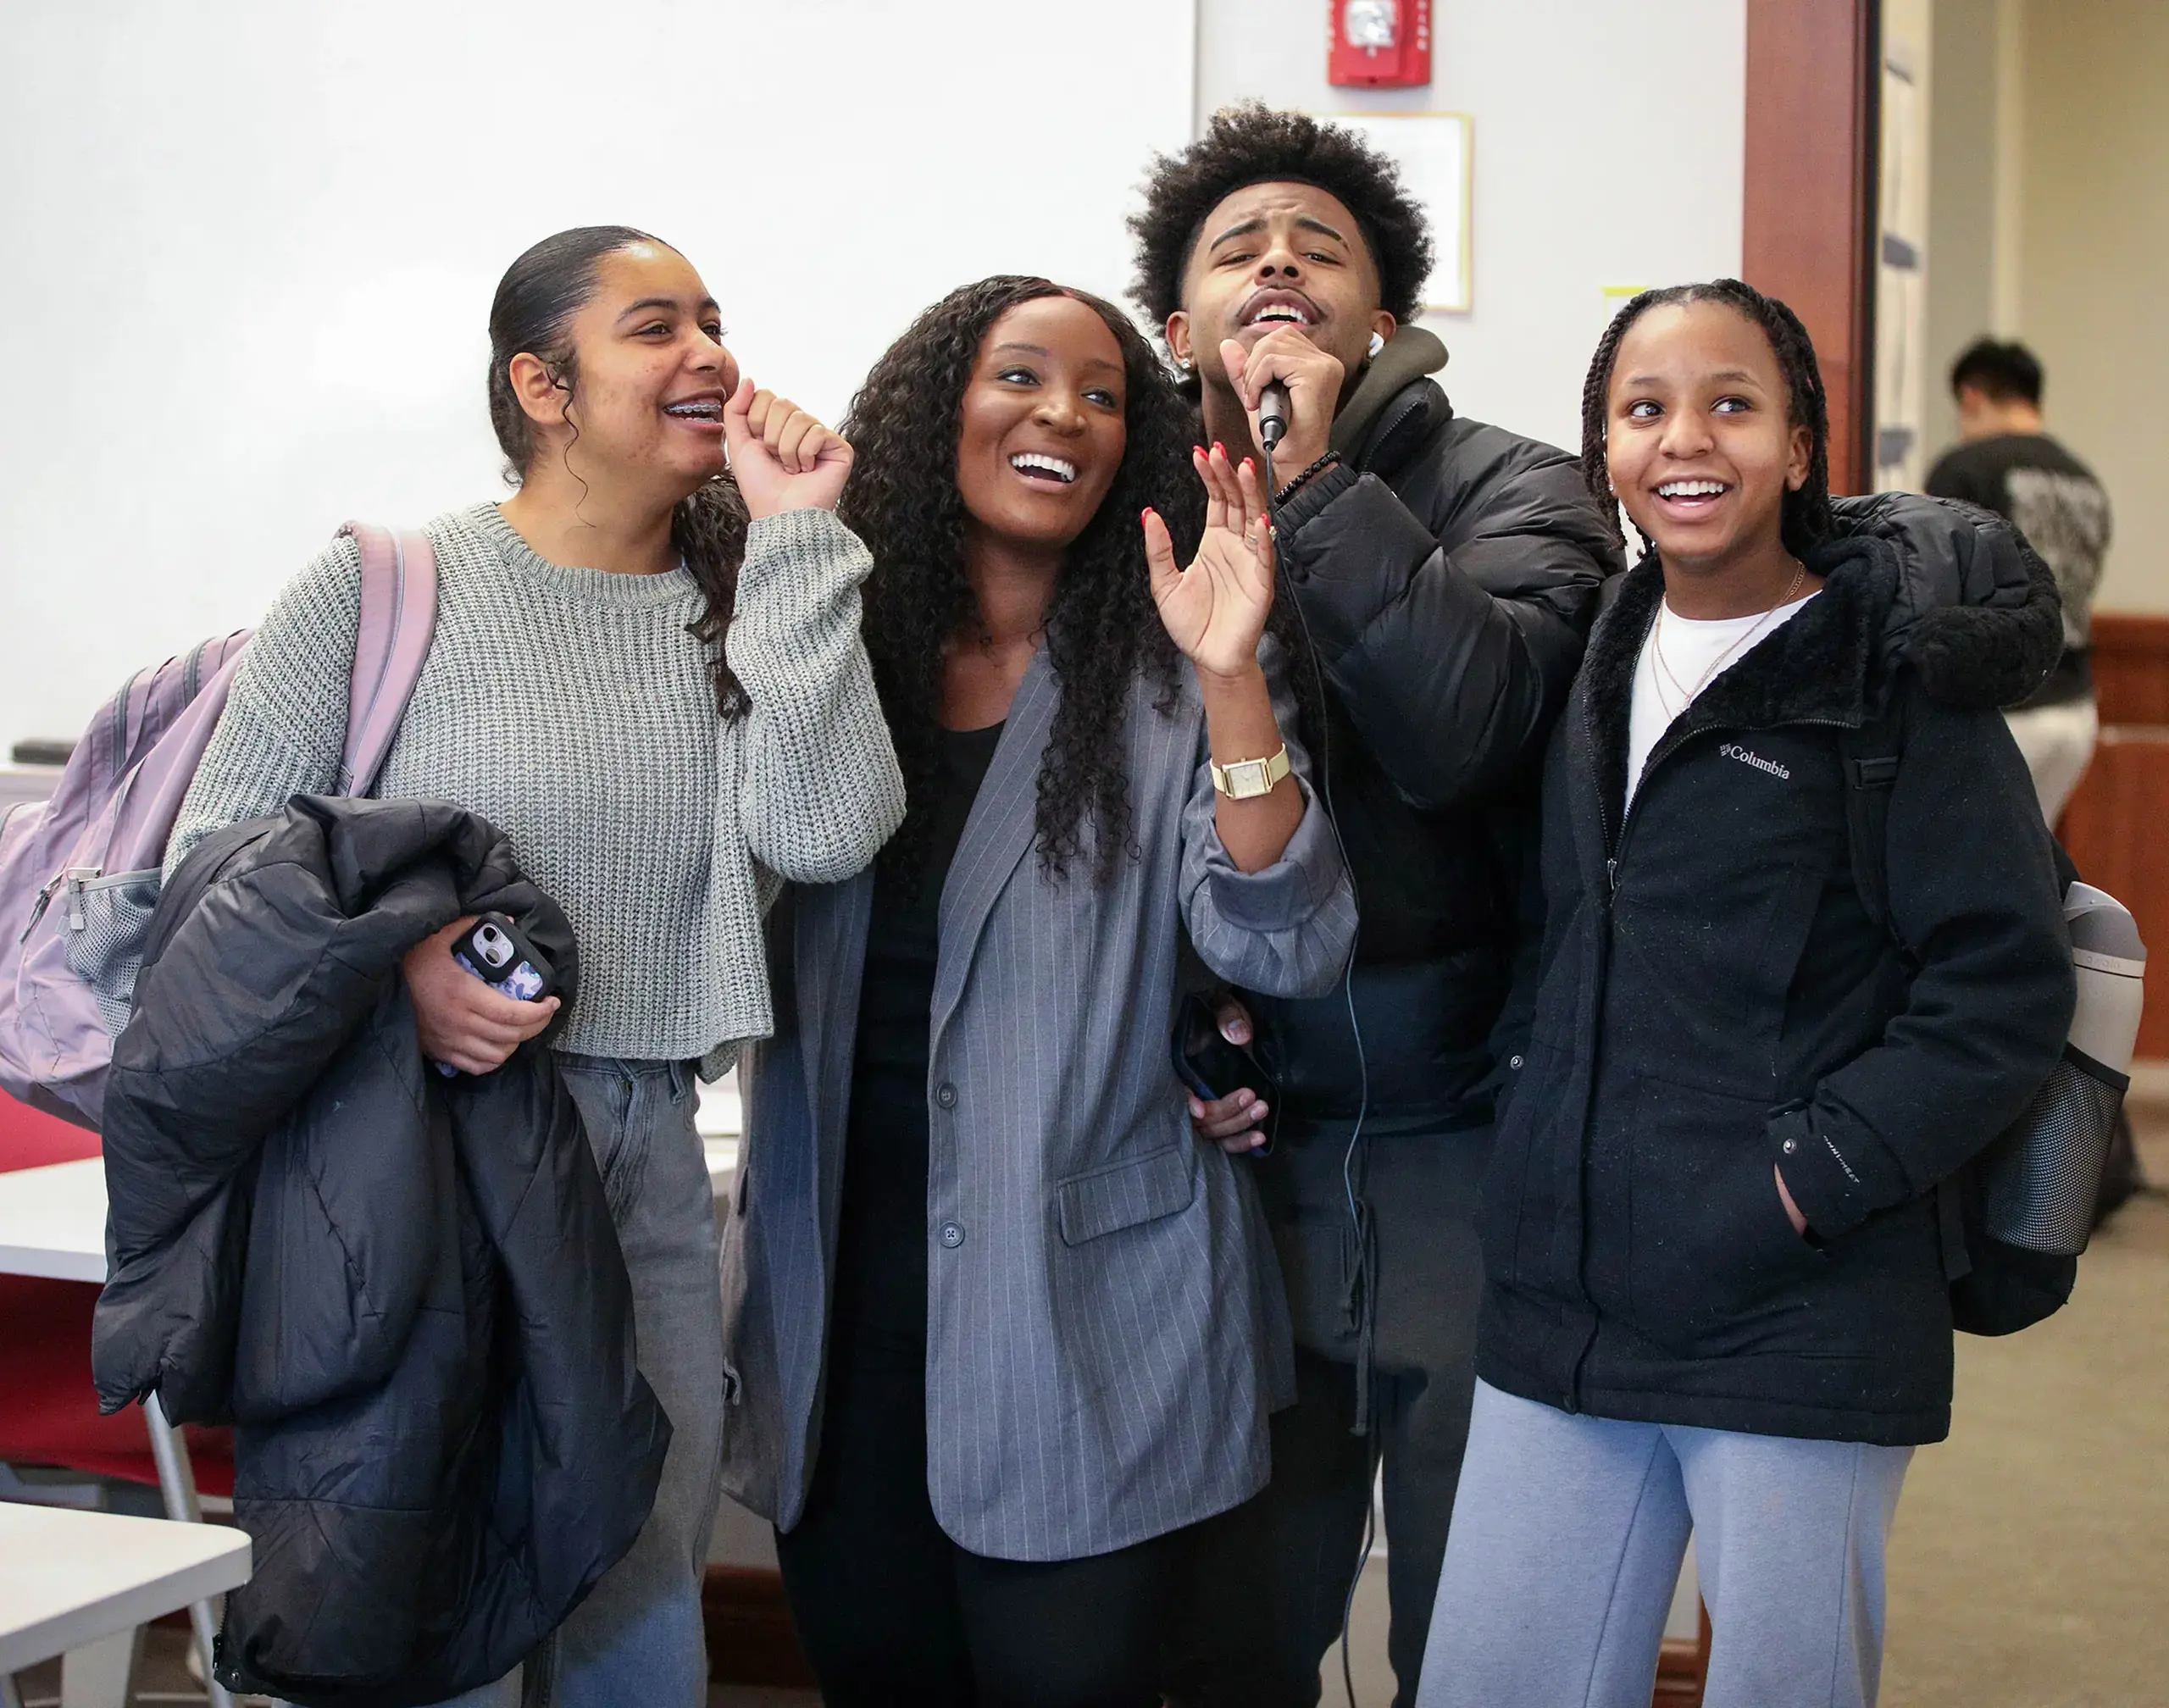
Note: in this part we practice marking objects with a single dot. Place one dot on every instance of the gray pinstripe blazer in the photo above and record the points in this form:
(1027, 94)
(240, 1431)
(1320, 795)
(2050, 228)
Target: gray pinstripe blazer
(1107, 1328)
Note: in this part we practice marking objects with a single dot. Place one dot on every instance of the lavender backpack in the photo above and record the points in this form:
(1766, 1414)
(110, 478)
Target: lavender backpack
(78, 872)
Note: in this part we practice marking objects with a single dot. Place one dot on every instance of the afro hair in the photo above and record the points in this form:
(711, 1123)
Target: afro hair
(1253, 144)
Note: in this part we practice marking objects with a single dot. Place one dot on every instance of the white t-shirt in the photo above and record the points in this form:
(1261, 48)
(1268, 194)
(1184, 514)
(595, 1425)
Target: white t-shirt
(1677, 656)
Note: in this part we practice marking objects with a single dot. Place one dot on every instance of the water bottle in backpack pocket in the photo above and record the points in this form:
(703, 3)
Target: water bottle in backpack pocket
(2023, 1211)
(2015, 1218)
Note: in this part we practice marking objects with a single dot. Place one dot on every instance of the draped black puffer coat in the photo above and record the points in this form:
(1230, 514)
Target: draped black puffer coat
(1714, 1002)
(405, 1291)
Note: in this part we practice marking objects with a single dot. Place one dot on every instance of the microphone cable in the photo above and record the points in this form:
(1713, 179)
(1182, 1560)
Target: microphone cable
(1285, 587)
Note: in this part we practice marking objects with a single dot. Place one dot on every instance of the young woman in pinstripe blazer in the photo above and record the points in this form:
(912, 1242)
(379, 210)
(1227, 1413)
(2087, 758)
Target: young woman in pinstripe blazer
(998, 1331)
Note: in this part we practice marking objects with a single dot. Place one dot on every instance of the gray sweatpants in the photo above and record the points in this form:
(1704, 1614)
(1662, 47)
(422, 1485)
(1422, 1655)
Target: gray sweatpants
(1568, 1536)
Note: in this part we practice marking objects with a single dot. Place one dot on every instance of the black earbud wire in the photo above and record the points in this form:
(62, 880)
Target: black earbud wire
(1285, 588)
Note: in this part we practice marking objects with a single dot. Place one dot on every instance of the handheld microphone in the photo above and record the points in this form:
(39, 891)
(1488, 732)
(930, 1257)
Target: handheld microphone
(1273, 414)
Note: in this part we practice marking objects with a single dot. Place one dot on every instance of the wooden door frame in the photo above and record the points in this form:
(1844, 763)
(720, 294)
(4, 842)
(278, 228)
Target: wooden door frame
(1813, 169)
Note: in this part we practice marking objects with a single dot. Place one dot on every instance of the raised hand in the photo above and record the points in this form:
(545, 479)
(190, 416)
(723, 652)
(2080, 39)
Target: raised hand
(1215, 610)
(784, 459)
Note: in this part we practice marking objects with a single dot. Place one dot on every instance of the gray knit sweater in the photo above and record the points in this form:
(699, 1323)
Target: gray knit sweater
(572, 709)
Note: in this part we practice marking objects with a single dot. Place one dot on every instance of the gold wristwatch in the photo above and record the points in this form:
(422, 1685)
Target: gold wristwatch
(1248, 778)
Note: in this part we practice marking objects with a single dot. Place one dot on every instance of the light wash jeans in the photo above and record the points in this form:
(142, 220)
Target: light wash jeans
(637, 1637)
(1568, 1536)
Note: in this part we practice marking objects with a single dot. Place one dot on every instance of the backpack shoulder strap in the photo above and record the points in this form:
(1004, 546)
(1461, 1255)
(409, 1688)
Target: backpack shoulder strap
(1871, 754)
(399, 611)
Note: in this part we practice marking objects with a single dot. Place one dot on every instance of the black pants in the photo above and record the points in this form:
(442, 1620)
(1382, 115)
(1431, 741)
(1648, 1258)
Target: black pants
(891, 1612)
(1272, 1577)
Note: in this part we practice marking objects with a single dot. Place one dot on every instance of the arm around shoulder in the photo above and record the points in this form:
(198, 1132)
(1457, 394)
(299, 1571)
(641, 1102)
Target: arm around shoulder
(820, 788)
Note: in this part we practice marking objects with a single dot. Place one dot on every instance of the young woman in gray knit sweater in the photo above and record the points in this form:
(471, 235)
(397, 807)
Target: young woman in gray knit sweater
(662, 730)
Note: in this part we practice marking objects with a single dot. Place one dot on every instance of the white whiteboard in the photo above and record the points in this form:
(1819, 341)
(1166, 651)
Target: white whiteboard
(251, 245)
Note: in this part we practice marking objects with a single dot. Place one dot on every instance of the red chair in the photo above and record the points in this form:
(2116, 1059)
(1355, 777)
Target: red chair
(48, 1410)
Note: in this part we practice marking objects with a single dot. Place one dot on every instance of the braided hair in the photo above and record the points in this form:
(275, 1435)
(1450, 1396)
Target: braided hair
(1102, 625)
(1805, 519)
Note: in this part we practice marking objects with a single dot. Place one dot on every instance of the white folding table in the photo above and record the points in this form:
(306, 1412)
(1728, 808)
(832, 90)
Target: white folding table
(52, 1224)
(79, 1585)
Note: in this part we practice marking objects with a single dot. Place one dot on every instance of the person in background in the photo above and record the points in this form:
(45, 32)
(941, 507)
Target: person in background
(1716, 1286)
(999, 1331)
(1443, 573)
(647, 672)
(2005, 461)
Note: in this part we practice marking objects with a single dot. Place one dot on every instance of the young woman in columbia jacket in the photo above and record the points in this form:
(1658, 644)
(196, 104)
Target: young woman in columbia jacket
(1716, 1285)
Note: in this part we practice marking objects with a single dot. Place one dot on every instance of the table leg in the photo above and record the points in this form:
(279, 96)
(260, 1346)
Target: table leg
(97, 1675)
(177, 1483)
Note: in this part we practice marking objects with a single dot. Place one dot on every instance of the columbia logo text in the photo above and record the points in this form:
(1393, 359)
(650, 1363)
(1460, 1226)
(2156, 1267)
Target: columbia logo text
(1732, 750)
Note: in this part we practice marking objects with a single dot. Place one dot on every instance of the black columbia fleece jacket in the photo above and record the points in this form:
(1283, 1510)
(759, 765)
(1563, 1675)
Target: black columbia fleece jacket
(1447, 572)
(1714, 1002)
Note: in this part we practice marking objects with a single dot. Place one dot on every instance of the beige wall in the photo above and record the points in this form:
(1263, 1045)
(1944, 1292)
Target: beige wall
(2094, 262)
(1961, 214)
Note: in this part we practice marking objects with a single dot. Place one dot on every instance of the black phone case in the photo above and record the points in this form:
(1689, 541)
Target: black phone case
(524, 954)
(1210, 1067)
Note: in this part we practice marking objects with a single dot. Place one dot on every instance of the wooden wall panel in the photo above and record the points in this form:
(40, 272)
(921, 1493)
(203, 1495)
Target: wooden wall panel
(751, 1640)
(2131, 667)
(2117, 824)
(1811, 172)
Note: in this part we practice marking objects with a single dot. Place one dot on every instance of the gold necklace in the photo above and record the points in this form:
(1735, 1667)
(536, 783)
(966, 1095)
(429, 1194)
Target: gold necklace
(1664, 668)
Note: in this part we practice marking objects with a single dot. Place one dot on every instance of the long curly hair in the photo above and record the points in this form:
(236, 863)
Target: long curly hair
(1102, 626)
(532, 314)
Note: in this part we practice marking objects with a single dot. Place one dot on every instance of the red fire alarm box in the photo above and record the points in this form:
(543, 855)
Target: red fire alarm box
(1379, 44)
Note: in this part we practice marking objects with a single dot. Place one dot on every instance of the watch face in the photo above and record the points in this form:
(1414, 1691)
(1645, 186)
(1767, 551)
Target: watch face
(1247, 779)
(1370, 23)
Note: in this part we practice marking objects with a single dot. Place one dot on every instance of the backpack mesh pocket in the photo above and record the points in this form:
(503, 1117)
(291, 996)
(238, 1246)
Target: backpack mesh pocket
(105, 949)
(2040, 1178)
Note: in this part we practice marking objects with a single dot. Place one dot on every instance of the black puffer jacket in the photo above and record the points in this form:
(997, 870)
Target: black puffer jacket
(1715, 1002)
(405, 1291)
(1447, 572)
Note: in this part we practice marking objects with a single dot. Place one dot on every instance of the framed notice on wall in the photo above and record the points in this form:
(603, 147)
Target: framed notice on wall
(1434, 151)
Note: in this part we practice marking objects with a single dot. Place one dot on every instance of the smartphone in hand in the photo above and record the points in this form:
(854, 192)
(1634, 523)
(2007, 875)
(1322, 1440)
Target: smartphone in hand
(497, 952)
(1210, 1066)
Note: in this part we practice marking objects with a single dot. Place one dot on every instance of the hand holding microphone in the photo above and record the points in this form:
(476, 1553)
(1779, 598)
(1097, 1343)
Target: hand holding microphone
(1290, 389)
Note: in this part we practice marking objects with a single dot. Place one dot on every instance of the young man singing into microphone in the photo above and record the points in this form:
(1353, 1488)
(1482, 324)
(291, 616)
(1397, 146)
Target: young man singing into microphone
(1445, 573)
